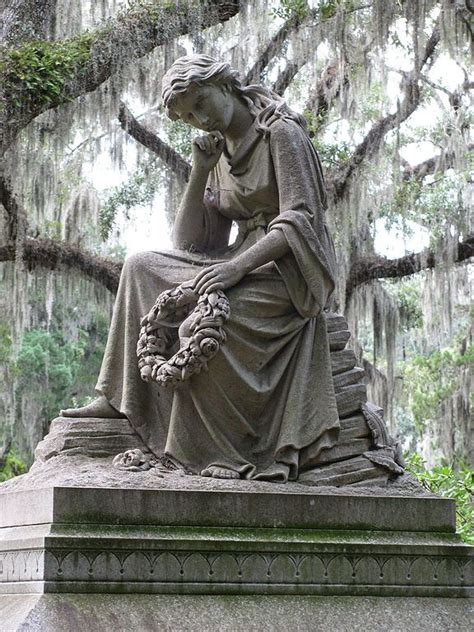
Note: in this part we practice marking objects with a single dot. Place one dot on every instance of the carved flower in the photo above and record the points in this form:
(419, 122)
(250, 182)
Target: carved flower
(134, 460)
(209, 347)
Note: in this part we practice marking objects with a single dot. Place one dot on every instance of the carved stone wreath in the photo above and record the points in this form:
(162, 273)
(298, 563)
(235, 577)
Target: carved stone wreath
(199, 319)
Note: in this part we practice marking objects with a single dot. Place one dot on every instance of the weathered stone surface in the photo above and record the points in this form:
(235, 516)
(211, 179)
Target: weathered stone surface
(354, 428)
(353, 376)
(232, 613)
(175, 541)
(342, 361)
(350, 398)
(335, 322)
(348, 472)
(168, 533)
(338, 339)
(91, 437)
(345, 450)
(226, 508)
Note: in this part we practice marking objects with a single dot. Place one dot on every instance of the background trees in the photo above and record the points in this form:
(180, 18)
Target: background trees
(92, 169)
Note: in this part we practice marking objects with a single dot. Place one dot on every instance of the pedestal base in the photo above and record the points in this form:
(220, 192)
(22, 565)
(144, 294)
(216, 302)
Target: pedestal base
(190, 553)
(189, 613)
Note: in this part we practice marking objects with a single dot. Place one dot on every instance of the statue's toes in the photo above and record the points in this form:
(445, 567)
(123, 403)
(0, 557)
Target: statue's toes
(219, 472)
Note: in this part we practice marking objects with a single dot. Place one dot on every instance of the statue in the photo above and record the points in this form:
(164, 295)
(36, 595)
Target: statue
(265, 406)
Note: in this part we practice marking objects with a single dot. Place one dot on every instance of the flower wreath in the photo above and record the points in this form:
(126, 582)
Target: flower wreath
(199, 319)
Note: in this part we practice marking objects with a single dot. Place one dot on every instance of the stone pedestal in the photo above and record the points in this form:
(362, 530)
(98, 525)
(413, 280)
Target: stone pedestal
(64, 547)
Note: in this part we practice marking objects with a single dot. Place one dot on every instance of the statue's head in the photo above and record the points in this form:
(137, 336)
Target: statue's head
(202, 91)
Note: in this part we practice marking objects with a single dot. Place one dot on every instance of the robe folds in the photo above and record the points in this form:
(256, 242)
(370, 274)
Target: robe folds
(266, 406)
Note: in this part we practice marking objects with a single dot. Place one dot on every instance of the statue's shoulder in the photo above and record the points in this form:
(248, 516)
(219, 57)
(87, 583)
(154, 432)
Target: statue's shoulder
(286, 130)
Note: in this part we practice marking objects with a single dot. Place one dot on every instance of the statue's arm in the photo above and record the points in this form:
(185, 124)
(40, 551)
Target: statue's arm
(189, 228)
(223, 275)
(193, 228)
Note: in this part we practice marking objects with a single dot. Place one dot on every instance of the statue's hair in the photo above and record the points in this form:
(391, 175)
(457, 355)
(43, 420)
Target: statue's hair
(265, 105)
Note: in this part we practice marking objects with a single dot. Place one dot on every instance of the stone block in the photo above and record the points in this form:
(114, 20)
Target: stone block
(231, 613)
(348, 472)
(346, 378)
(342, 361)
(350, 398)
(345, 450)
(335, 322)
(91, 437)
(338, 339)
(353, 428)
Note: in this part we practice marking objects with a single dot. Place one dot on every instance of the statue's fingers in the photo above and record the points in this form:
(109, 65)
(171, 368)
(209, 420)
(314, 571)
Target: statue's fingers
(199, 142)
(213, 287)
(210, 145)
(203, 272)
(208, 278)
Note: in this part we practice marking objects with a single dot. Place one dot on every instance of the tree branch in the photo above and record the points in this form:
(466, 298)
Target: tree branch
(123, 39)
(368, 269)
(16, 219)
(431, 166)
(31, 19)
(286, 76)
(340, 179)
(327, 88)
(272, 49)
(151, 141)
(53, 255)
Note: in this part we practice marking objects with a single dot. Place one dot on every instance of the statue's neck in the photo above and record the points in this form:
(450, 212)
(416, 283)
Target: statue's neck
(242, 120)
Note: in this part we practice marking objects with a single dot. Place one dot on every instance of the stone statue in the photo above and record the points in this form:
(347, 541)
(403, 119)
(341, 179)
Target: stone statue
(265, 408)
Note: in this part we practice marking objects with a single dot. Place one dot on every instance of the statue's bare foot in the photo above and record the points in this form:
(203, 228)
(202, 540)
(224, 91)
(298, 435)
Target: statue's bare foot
(219, 472)
(98, 408)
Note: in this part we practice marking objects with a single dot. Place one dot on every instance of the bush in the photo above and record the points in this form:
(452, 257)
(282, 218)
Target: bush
(11, 465)
(456, 483)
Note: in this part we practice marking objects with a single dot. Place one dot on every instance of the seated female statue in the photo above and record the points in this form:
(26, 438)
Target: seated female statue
(266, 407)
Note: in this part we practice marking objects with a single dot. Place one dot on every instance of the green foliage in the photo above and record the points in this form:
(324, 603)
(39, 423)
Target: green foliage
(433, 378)
(11, 465)
(328, 8)
(36, 71)
(435, 206)
(452, 483)
(51, 362)
(372, 103)
(5, 344)
(140, 189)
(63, 368)
(407, 294)
(295, 10)
(332, 154)
(180, 136)
(50, 229)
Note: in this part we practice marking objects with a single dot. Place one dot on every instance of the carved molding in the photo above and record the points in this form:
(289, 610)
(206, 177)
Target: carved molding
(233, 567)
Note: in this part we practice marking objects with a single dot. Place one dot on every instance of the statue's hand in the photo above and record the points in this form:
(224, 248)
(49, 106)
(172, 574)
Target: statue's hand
(218, 277)
(207, 150)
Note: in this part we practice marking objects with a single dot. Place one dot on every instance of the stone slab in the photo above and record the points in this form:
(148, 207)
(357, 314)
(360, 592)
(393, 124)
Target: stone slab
(228, 613)
(338, 339)
(81, 505)
(335, 322)
(350, 398)
(342, 361)
(137, 559)
(352, 376)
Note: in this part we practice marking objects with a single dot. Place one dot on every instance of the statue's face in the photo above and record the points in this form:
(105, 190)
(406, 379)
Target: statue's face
(209, 107)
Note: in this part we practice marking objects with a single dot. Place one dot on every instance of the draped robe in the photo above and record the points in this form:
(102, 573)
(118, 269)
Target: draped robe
(266, 406)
